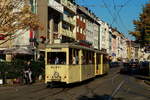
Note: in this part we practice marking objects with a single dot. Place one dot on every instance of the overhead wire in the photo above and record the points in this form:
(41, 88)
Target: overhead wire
(116, 15)
(122, 6)
(108, 9)
(119, 17)
(113, 17)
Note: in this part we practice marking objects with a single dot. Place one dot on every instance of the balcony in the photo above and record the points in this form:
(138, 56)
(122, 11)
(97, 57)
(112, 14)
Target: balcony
(69, 19)
(69, 5)
(67, 33)
(55, 5)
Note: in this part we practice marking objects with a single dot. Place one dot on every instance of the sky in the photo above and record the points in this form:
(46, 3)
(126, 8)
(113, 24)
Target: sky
(117, 13)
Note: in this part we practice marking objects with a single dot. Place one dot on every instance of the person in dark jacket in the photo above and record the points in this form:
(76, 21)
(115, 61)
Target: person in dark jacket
(28, 73)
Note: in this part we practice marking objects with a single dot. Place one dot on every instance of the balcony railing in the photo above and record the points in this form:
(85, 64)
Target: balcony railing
(67, 33)
(69, 5)
(69, 19)
(56, 5)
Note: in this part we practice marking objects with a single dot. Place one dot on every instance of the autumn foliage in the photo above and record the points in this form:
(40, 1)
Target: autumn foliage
(16, 15)
(142, 26)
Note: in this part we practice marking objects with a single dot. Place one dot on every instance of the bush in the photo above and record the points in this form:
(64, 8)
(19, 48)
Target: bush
(38, 68)
(14, 69)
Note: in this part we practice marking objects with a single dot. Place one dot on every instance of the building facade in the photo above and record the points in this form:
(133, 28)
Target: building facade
(104, 36)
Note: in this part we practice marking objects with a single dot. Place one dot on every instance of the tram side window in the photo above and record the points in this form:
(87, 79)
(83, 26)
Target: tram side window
(98, 59)
(73, 56)
(84, 58)
(105, 60)
(88, 57)
(56, 58)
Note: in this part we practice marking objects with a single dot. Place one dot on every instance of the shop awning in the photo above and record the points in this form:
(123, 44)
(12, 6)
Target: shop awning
(19, 50)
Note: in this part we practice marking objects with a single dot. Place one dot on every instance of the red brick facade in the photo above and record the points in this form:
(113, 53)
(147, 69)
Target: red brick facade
(81, 25)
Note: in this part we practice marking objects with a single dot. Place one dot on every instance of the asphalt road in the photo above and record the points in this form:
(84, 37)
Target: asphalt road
(113, 86)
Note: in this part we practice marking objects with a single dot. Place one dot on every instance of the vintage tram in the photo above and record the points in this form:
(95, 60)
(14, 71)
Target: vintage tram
(70, 63)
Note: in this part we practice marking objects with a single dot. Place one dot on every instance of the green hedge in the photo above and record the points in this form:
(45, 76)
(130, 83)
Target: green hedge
(15, 68)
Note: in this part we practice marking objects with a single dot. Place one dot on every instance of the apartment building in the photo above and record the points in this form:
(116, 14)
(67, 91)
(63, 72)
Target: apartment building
(68, 30)
(104, 36)
(64, 21)
(90, 26)
(58, 19)
(21, 44)
(81, 24)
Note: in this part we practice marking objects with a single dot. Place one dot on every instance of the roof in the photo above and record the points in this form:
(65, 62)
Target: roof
(72, 45)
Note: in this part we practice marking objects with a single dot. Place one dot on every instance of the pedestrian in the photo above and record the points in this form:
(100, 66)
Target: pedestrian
(28, 73)
(77, 59)
(56, 60)
(73, 60)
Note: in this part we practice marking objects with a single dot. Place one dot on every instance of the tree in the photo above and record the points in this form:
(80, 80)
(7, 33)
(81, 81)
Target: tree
(16, 15)
(142, 26)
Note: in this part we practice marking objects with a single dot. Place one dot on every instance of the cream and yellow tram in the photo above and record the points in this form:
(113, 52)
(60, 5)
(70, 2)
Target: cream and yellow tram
(71, 63)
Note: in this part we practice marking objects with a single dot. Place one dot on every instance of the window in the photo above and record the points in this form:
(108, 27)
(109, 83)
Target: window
(84, 31)
(73, 56)
(84, 20)
(77, 28)
(81, 18)
(80, 30)
(88, 57)
(98, 59)
(66, 26)
(105, 60)
(56, 58)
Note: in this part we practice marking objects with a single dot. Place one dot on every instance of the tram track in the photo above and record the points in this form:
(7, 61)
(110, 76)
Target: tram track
(113, 86)
(63, 90)
(91, 90)
(70, 95)
(121, 87)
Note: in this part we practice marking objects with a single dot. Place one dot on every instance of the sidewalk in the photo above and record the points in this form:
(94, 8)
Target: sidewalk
(145, 78)
(16, 85)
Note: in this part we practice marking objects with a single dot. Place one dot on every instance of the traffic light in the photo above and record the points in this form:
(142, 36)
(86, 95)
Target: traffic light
(42, 39)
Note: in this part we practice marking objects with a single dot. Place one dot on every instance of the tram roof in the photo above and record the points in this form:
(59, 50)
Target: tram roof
(71, 45)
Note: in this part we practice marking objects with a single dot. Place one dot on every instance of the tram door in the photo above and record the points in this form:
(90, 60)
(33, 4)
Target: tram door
(98, 63)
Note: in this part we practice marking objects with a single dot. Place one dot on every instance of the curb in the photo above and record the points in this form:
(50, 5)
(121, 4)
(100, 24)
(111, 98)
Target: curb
(147, 82)
(14, 85)
(146, 78)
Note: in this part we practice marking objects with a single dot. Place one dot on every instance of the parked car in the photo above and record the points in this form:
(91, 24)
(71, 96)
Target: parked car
(115, 64)
(133, 67)
(144, 67)
(124, 69)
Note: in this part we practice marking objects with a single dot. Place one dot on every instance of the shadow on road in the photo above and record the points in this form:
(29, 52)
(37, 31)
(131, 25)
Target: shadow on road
(71, 85)
(97, 97)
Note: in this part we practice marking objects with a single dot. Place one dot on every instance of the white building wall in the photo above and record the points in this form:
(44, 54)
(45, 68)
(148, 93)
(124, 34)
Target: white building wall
(124, 48)
(110, 42)
(96, 32)
(104, 36)
(89, 31)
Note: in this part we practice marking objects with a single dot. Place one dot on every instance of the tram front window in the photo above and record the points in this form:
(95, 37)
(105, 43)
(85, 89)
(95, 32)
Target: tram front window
(56, 58)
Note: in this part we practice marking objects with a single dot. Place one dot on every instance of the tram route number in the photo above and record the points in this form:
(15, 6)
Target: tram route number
(55, 66)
